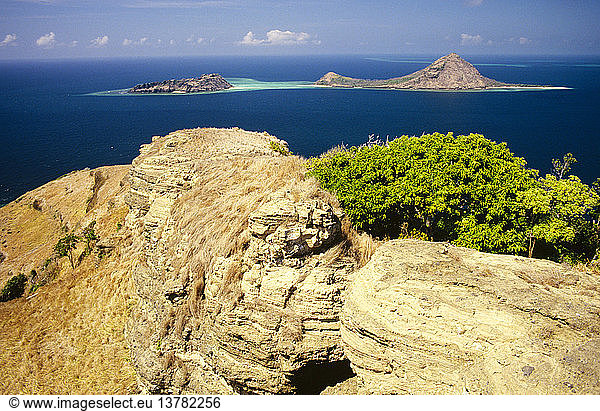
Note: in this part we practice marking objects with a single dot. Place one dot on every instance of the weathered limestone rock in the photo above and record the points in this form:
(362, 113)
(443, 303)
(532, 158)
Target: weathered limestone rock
(287, 316)
(292, 229)
(429, 318)
(244, 286)
(213, 318)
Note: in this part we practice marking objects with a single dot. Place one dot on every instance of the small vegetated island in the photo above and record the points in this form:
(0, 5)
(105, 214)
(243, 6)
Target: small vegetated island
(204, 83)
(450, 72)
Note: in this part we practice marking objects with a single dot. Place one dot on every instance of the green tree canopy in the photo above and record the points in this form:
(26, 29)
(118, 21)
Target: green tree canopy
(465, 189)
(14, 288)
(65, 247)
(559, 213)
(90, 237)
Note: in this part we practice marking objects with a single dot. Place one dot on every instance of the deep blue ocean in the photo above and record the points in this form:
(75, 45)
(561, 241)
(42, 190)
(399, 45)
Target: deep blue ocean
(49, 126)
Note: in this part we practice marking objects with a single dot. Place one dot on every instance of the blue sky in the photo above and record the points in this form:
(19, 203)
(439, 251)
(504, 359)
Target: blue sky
(80, 28)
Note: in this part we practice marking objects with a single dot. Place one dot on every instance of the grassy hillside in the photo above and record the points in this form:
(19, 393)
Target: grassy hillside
(66, 336)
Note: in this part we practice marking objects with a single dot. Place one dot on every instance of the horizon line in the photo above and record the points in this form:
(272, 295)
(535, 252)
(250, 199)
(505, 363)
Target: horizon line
(357, 54)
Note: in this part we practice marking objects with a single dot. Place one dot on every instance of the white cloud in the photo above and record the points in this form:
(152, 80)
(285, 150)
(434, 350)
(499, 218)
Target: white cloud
(144, 41)
(469, 40)
(47, 41)
(8, 39)
(249, 40)
(279, 38)
(519, 40)
(473, 3)
(287, 37)
(172, 42)
(99, 41)
(193, 40)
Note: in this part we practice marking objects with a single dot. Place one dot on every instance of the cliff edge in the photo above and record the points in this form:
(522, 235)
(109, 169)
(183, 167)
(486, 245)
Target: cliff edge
(242, 267)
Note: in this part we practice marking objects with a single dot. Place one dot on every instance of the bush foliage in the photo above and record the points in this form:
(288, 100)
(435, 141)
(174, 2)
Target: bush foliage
(465, 189)
(14, 288)
(65, 246)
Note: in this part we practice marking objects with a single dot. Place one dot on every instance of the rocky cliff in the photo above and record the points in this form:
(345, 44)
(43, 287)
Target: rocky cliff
(431, 318)
(206, 82)
(447, 73)
(235, 273)
(242, 267)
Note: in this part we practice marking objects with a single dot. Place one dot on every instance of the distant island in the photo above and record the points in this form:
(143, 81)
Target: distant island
(204, 83)
(450, 72)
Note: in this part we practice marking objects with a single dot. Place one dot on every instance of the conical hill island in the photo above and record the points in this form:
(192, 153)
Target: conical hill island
(450, 72)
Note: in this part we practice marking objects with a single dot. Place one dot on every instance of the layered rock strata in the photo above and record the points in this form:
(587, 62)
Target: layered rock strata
(246, 281)
(239, 277)
(244, 285)
(430, 318)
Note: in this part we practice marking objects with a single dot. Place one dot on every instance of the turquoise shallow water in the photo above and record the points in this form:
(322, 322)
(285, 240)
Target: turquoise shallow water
(53, 118)
(248, 84)
(239, 84)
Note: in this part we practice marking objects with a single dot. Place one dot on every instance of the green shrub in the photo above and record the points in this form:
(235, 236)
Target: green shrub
(14, 288)
(65, 246)
(562, 217)
(465, 189)
(90, 238)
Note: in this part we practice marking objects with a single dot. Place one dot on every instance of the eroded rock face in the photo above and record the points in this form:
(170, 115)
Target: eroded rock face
(429, 318)
(293, 229)
(287, 315)
(214, 318)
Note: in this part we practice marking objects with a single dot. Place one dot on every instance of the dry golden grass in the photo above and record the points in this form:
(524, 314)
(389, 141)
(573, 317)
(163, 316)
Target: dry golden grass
(67, 338)
(591, 267)
(214, 215)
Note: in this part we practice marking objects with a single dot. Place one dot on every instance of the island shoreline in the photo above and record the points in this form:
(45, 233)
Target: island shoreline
(235, 89)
